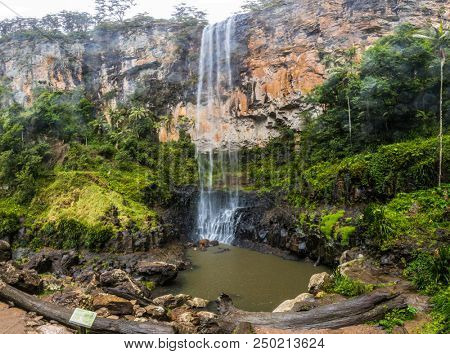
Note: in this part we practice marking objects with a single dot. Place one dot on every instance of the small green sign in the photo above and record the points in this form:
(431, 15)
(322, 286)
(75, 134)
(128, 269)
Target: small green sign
(83, 318)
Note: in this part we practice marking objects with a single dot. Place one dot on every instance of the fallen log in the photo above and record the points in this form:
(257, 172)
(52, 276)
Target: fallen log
(62, 315)
(358, 310)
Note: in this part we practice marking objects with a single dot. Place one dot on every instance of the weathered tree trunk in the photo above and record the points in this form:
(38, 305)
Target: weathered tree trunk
(62, 315)
(440, 117)
(351, 312)
(349, 109)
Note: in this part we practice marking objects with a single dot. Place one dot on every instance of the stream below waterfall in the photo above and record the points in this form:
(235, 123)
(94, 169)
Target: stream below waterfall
(255, 281)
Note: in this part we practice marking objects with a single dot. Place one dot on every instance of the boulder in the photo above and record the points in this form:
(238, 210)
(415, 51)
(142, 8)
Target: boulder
(197, 302)
(156, 312)
(170, 301)
(185, 320)
(114, 304)
(41, 263)
(318, 282)
(120, 282)
(23, 279)
(53, 329)
(158, 272)
(206, 315)
(302, 302)
(203, 243)
(214, 243)
(140, 312)
(367, 270)
(73, 298)
(350, 255)
(5, 251)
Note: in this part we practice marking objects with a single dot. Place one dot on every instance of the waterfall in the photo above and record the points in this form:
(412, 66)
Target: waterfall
(218, 161)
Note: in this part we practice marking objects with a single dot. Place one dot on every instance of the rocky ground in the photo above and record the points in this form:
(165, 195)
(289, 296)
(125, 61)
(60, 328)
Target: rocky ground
(120, 287)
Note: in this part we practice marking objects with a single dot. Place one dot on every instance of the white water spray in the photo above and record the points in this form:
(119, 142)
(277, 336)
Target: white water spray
(218, 161)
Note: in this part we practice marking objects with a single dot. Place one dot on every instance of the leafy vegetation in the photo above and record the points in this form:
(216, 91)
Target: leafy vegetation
(346, 286)
(430, 272)
(397, 317)
(418, 219)
(79, 179)
(259, 5)
(440, 313)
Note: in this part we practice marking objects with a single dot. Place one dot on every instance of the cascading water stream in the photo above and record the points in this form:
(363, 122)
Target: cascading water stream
(218, 161)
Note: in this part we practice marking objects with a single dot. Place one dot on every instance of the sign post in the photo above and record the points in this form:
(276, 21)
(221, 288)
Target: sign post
(83, 318)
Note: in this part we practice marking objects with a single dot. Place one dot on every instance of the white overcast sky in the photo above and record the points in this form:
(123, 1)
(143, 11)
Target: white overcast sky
(217, 10)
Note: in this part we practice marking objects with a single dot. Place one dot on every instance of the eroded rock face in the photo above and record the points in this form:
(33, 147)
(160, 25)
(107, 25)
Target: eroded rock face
(277, 60)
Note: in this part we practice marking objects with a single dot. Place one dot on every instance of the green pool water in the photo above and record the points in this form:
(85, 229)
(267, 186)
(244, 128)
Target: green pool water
(255, 281)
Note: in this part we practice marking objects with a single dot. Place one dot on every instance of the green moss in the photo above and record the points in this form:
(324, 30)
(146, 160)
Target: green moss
(329, 221)
(150, 285)
(345, 232)
(86, 197)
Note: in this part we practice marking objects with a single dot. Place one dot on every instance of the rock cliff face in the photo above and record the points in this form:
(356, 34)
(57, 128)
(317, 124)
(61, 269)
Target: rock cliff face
(278, 56)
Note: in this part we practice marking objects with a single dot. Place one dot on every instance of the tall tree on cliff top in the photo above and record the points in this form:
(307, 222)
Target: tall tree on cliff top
(439, 38)
(344, 68)
(112, 10)
(258, 5)
(188, 15)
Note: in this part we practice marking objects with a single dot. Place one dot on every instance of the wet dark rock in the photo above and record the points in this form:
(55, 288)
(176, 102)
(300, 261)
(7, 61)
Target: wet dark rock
(55, 261)
(159, 272)
(118, 282)
(221, 250)
(214, 243)
(268, 222)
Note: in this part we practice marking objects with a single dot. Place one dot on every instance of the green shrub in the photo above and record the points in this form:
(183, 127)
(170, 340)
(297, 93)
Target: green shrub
(9, 225)
(62, 234)
(346, 286)
(397, 317)
(440, 313)
(418, 218)
(429, 272)
(97, 237)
